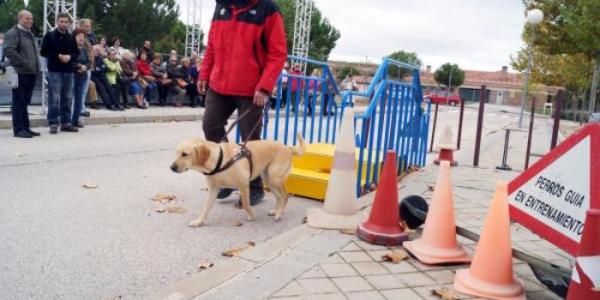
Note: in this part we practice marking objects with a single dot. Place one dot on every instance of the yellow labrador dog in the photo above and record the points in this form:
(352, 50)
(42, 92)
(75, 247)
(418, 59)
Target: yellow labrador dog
(269, 159)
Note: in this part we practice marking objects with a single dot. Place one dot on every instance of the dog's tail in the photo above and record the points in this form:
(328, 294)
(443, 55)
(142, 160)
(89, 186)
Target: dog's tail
(300, 148)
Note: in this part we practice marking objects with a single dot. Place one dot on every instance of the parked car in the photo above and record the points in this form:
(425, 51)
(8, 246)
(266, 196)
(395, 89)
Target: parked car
(439, 99)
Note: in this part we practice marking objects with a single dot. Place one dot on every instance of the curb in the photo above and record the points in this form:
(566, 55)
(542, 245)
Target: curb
(40, 121)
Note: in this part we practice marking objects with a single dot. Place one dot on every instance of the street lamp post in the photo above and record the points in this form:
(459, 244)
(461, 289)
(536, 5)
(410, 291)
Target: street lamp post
(534, 17)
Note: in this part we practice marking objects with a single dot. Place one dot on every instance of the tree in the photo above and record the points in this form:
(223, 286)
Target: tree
(569, 27)
(174, 40)
(442, 75)
(573, 71)
(348, 70)
(323, 35)
(8, 13)
(410, 58)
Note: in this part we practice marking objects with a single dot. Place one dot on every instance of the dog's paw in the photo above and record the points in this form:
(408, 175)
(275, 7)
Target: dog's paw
(250, 218)
(271, 213)
(278, 218)
(196, 223)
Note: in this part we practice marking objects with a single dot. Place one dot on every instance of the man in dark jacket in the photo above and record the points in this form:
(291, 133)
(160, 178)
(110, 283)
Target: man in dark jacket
(20, 49)
(60, 50)
(148, 50)
(244, 56)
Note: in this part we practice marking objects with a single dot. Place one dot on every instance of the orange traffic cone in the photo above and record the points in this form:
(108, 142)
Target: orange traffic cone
(383, 226)
(585, 283)
(437, 244)
(341, 209)
(446, 148)
(491, 272)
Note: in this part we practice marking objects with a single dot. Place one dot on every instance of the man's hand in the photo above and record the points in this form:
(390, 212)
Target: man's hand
(260, 98)
(64, 58)
(202, 85)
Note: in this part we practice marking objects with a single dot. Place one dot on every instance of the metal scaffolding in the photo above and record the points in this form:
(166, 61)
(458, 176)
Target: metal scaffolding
(302, 30)
(193, 30)
(51, 9)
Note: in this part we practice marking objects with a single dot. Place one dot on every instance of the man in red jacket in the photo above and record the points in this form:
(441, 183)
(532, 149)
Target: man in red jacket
(245, 53)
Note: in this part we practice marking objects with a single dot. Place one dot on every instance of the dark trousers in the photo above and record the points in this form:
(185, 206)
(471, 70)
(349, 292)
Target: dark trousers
(163, 90)
(218, 108)
(105, 91)
(21, 98)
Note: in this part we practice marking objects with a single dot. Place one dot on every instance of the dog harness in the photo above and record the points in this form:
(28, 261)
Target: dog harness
(243, 153)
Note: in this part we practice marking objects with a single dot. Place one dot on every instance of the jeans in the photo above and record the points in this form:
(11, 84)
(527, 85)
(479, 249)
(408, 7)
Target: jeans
(87, 87)
(81, 82)
(21, 97)
(135, 88)
(60, 98)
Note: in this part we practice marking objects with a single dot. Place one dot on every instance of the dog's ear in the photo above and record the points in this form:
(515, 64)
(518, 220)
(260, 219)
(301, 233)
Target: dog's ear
(202, 154)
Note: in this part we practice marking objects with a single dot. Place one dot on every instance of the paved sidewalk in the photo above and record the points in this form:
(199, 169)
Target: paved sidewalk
(307, 263)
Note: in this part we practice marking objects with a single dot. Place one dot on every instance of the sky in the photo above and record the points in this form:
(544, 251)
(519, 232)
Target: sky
(475, 34)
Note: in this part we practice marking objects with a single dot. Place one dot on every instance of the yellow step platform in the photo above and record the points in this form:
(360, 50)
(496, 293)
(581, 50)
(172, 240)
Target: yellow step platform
(310, 173)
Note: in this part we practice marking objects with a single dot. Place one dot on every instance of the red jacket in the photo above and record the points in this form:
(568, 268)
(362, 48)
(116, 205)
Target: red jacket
(143, 68)
(246, 49)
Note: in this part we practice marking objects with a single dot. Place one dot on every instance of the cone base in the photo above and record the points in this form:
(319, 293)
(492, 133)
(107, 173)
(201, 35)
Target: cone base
(379, 238)
(319, 218)
(452, 163)
(433, 255)
(466, 283)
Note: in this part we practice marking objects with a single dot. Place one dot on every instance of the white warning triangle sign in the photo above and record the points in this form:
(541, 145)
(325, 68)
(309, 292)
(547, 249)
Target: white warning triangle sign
(552, 197)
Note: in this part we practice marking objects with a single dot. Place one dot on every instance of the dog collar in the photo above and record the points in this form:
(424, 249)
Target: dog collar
(217, 168)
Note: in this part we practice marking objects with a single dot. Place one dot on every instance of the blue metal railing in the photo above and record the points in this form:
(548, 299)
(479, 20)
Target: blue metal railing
(393, 120)
(299, 103)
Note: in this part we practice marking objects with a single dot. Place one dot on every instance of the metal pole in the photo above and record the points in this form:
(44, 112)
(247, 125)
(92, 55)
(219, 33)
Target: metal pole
(460, 123)
(557, 112)
(449, 87)
(526, 83)
(531, 118)
(504, 165)
(482, 96)
(434, 124)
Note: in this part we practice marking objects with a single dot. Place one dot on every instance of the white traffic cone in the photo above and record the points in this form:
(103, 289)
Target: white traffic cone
(446, 148)
(340, 210)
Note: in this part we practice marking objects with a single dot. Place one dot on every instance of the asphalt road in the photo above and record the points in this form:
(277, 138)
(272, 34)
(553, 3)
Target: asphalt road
(62, 241)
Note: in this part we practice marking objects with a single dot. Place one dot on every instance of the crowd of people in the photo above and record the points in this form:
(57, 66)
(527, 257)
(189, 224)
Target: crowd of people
(87, 69)
(84, 68)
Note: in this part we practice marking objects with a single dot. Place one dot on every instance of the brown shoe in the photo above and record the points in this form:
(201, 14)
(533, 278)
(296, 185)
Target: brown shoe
(69, 128)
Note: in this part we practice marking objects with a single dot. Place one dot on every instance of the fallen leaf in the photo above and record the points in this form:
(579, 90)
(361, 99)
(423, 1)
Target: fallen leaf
(412, 169)
(203, 265)
(445, 293)
(164, 198)
(395, 256)
(237, 224)
(90, 186)
(160, 210)
(348, 231)
(234, 251)
(304, 220)
(431, 187)
(175, 210)
(237, 251)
